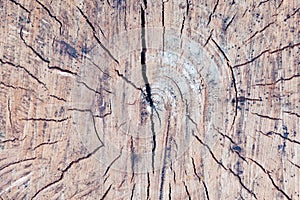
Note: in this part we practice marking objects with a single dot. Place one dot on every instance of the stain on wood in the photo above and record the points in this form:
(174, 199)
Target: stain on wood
(149, 99)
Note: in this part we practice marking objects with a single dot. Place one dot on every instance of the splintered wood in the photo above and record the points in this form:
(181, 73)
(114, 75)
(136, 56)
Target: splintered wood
(149, 99)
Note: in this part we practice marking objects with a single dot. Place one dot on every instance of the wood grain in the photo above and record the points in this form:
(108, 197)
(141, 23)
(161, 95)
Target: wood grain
(149, 99)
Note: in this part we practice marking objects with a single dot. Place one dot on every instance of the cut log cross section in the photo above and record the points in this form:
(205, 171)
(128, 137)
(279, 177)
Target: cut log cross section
(149, 100)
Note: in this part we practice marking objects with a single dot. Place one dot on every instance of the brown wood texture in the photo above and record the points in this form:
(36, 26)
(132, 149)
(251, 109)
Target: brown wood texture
(149, 99)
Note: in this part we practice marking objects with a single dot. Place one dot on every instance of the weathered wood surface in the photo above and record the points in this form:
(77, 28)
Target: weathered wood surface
(149, 99)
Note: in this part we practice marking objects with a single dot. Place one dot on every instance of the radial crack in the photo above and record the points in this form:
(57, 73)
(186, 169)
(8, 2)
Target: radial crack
(97, 66)
(12, 140)
(62, 70)
(182, 25)
(15, 87)
(252, 60)
(282, 136)
(187, 191)
(109, 166)
(270, 177)
(236, 149)
(290, 15)
(235, 95)
(24, 69)
(242, 184)
(220, 49)
(128, 81)
(267, 51)
(185, 16)
(225, 135)
(32, 49)
(174, 174)
(291, 113)
(93, 90)
(163, 23)
(195, 171)
(58, 98)
(16, 162)
(262, 2)
(51, 15)
(9, 113)
(170, 191)
(45, 119)
(132, 192)
(279, 80)
(265, 116)
(21, 6)
(206, 189)
(64, 171)
(132, 157)
(145, 78)
(106, 192)
(209, 37)
(46, 60)
(165, 155)
(231, 20)
(214, 10)
(95, 128)
(298, 166)
(277, 187)
(45, 143)
(95, 36)
(148, 186)
(210, 151)
(260, 31)
(143, 58)
(153, 140)
(280, 4)
(285, 47)
(222, 165)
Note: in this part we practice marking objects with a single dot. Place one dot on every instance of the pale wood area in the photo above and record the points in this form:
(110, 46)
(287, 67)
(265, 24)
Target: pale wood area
(149, 99)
